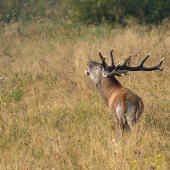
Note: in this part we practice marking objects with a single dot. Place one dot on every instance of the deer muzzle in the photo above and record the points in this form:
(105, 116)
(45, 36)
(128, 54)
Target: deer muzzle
(87, 72)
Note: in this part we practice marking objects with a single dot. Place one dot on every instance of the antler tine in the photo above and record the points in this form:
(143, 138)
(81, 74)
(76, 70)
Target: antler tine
(124, 65)
(161, 63)
(145, 59)
(103, 62)
(105, 58)
(118, 65)
(100, 55)
(128, 59)
(111, 56)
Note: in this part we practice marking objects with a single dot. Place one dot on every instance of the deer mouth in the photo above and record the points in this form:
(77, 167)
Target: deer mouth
(87, 72)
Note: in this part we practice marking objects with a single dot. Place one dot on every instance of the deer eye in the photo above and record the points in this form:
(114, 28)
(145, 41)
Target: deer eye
(97, 70)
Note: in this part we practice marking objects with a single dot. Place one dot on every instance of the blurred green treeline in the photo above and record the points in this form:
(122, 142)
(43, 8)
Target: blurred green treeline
(85, 11)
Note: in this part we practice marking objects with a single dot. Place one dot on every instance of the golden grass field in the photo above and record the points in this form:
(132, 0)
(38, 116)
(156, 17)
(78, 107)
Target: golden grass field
(52, 116)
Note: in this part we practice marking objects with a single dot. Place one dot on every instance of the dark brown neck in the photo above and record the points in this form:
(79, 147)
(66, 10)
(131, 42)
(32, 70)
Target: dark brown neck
(107, 87)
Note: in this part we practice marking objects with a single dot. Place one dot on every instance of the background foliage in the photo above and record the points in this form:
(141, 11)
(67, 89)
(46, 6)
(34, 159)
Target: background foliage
(86, 11)
(25, 10)
(97, 11)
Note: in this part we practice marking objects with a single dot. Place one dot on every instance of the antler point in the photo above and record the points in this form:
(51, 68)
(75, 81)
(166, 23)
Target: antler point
(112, 50)
(163, 59)
(118, 65)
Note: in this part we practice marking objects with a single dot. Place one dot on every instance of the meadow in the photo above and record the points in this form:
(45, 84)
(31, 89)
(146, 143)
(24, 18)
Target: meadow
(51, 114)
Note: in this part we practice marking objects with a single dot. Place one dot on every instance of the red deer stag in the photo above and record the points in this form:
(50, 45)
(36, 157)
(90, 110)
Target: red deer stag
(125, 106)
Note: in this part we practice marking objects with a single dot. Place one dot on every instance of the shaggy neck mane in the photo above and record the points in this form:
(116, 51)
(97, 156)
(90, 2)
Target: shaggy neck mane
(107, 87)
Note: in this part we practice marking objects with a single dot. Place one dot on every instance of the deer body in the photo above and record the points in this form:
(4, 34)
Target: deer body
(124, 105)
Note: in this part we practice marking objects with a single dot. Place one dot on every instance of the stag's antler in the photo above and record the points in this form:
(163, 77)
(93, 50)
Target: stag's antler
(141, 67)
(114, 70)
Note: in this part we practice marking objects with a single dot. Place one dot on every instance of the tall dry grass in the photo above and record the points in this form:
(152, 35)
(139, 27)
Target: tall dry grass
(52, 116)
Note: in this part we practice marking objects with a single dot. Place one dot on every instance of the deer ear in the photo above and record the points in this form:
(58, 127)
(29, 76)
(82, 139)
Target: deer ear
(97, 70)
(104, 74)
